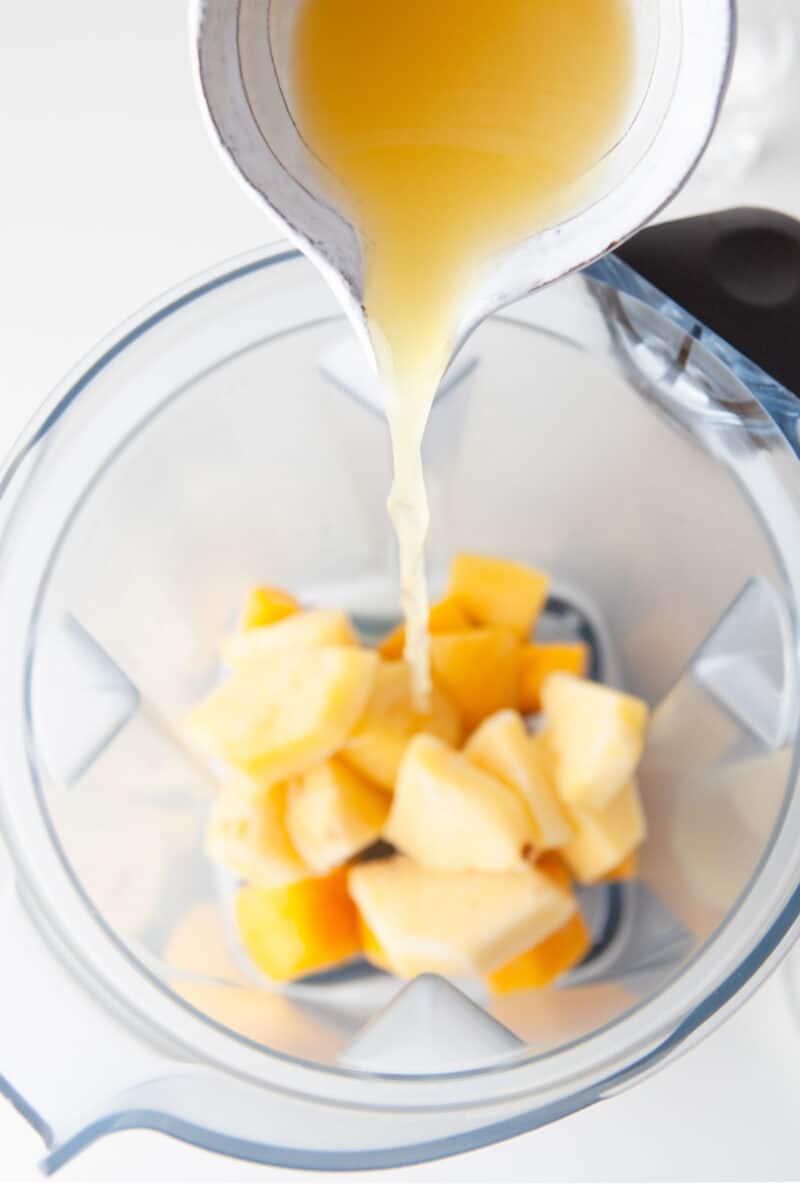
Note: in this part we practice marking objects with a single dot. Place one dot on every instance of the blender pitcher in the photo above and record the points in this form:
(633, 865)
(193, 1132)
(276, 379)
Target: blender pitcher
(230, 434)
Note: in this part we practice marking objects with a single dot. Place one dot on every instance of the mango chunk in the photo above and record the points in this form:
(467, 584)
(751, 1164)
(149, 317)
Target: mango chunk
(291, 635)
(291, 931)
(454, 923)
(278, 722)
(449, 815)
(247, 834)
(377, 744)
(446, 616)
(543, 964)
(264, 606)
(596, 737)
(502, 747)
(540, 661)
(603, 839)
(627, 869)
(479, 671)
(332, 814)
(498, 593)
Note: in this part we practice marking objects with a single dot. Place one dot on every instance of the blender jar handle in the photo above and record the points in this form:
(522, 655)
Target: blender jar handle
(738, 272)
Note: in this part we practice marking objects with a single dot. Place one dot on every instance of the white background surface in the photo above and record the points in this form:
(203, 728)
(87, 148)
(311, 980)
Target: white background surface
(111, 193)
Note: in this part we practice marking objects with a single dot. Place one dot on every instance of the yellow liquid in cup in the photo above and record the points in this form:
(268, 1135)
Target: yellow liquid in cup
(453, 129)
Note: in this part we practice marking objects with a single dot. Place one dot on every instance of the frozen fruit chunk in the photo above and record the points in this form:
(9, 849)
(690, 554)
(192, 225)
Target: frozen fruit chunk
(282, 721)
(376, 746)
(544, 963)
(454, 923)
(292, 931)
(292, 635)
(627, 869)
(503, 747)
(478, 670)
(596, 737)
(371, 947)
(540, 661)
(446, 616)
(497, 592)
(247, 834)
(264, 606)
(603, 838)
(332, 814)
(553, 866)
(449, 815)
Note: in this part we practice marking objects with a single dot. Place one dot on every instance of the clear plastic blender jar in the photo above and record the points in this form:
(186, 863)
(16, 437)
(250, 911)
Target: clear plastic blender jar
(229, 434)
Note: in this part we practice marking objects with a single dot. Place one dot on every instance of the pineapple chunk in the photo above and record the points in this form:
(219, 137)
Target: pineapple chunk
(292, 931)
(627, 869)
(499, 593)
(371, 947)
(503, 747)
(479, 670)
(545, 962)
(444, 617)
(603, 839)
(553, 866)
(264, 606)
(278, 722)
(332, 814)
(376, 746)
(247, 834)
(292, 635)
(540, 661)
(449, 815)
(596, 737)
(460, 923)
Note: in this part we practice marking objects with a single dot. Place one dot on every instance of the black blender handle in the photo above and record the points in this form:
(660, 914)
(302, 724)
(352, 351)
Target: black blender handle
(738, 272)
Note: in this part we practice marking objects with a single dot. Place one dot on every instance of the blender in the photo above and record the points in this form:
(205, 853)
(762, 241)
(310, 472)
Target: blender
(230, 432)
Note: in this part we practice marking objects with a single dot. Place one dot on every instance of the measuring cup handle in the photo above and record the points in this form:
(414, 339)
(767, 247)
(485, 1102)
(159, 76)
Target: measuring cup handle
(738, 272)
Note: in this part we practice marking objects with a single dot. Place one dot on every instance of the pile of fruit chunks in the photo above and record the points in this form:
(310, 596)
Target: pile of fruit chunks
(483, 825)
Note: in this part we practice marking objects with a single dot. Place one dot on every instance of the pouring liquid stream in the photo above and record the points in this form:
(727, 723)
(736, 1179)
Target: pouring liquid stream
(451, 132)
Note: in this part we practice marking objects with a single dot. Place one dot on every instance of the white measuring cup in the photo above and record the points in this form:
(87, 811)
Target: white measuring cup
(683, 51)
